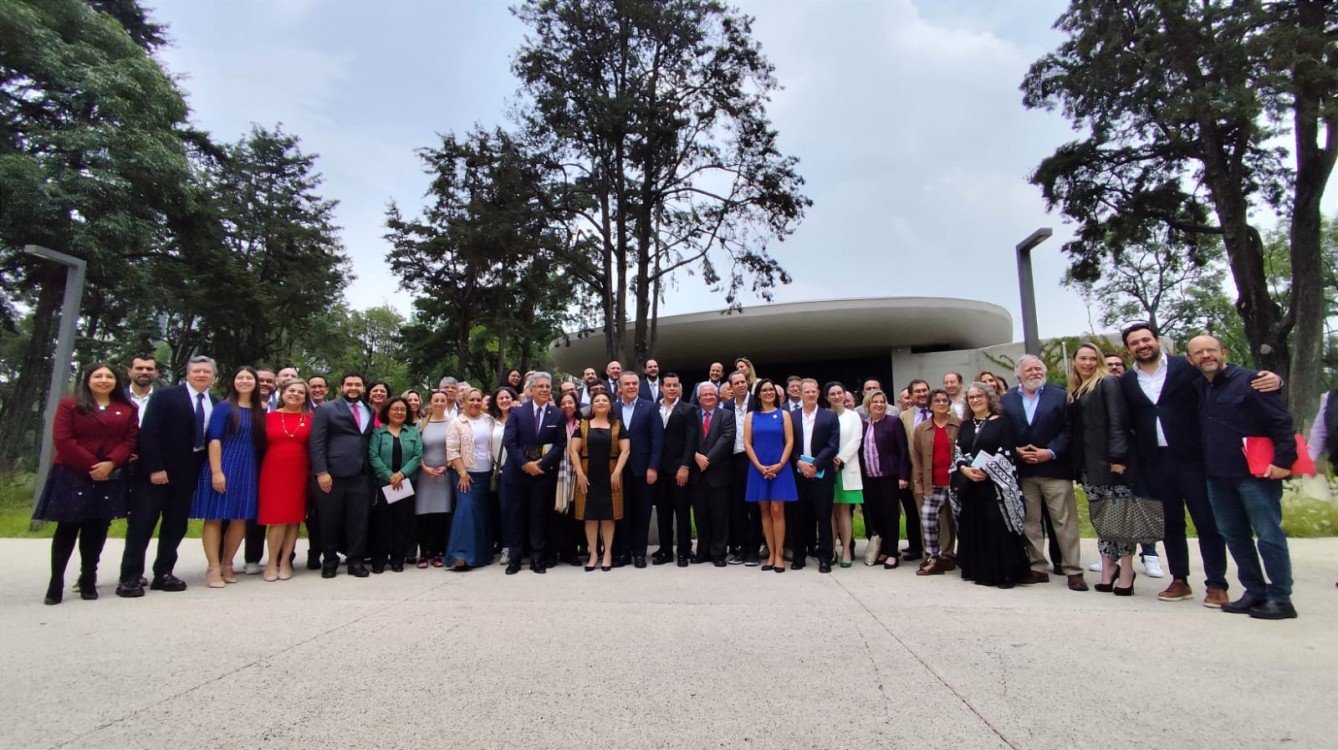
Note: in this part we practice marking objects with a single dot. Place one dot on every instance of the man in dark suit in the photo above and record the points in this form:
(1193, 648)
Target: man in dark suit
(745, 518)
(613, 371)
(1162, 393)
(817, 437)
(534, 439)
(340, 431)
(1039, 415)
(651, 383)
(673, 498)
(171, 451)
(710, 475)
(643, 426)
(715, 375)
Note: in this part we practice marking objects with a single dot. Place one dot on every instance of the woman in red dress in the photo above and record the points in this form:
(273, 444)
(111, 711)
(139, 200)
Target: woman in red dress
(284, 476)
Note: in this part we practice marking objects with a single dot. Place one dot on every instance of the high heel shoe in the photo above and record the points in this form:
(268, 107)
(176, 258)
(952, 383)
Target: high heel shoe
(1129, 591)
(847, 563)
(1106, 588)
(229, 575)
(55, 592)
(214, 578)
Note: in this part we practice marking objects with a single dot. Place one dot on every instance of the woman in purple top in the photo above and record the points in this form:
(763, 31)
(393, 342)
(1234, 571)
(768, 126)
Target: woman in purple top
(885, 464)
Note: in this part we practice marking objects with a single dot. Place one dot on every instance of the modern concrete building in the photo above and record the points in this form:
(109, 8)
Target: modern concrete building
(891, 338)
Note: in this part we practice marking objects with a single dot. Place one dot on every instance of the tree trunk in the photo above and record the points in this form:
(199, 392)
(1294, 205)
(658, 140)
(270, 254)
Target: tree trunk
(21, 429)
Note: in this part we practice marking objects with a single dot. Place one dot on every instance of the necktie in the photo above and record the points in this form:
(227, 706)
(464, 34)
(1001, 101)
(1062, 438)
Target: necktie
(357, 418)
(539, 413)
(924, 414)
(199, 421)
(706, 423)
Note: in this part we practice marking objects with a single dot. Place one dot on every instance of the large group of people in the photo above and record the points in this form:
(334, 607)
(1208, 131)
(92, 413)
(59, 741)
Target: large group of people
(769, 473)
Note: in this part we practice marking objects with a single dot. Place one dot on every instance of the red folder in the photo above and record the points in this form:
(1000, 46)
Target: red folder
(1259, 455)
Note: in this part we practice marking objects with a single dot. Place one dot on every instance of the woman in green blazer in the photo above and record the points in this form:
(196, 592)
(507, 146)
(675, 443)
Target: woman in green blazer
(395, 453)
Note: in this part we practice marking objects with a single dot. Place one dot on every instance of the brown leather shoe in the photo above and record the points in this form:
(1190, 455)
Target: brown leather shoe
(1039, 576)
(1215, 598)
(946, 564)
(933, 568)
(1077, 583)
(1179, 591)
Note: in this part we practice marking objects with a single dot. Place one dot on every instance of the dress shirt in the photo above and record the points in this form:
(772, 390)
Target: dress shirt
(871, 465)
(959, 408)
(1152, 383)
(538, 413)
(740, 414)
(1029, 403)
(794, 405)
(810, 418)
(364, 414)
(143, 402)
(666, 408)
(1319, 432)
(654, 388)
(921, 414)
(628, 410)
(208, 407)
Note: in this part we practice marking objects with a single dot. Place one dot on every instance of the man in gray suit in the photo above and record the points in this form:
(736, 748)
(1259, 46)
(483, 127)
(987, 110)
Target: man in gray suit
(339, 435)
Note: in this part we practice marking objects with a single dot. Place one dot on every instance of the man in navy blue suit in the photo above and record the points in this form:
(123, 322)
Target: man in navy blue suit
(643, 426)
(171, 451)
(1039, 414)
(817, 436)
(340, 433)
(1162, 392)
(534, 439)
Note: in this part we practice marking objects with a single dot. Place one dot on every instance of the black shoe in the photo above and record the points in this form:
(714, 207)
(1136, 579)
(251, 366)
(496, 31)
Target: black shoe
(911, 555)
(621, 561)
(767, 567)
(88, 588)
(1243, 605)
(357, 570)
(824, 567)
(397, 567)
(736, 559)
(130, 589)
(1271, 610)
(751, 561)
(54, 592)
(538, 567)
(329, 570)
(661, 557)
(167, 582)
(378, 569)
(683, 562)
(314, 561)
(702, 560)
(719, 562)
(638, 562)
(589, 568)
(513, 567)
(1126, 591)
(606, 568)
(798, 564)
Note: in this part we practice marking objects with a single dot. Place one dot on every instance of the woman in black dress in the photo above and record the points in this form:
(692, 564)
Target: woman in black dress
(990, 546)
(598, 453)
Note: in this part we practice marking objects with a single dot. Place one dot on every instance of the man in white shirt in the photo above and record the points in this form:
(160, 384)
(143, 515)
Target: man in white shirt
(745, 522)
(143, 374)
(451, 387)
(673, 500)
(650, 383)
(952, 383)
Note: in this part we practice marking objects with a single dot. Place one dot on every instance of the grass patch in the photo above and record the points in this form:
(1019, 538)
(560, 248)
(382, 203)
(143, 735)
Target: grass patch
(16, 511)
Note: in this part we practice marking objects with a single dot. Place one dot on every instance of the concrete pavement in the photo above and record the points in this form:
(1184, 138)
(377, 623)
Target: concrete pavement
(658, 658)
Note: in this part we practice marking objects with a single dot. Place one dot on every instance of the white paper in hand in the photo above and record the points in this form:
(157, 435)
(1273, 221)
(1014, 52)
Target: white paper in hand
(393, 495)
(981, 459)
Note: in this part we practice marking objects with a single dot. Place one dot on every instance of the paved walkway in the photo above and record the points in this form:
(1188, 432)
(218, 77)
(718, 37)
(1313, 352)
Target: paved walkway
(658, 658)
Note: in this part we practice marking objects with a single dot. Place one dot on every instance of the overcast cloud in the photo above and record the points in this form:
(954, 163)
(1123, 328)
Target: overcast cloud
(906, 117)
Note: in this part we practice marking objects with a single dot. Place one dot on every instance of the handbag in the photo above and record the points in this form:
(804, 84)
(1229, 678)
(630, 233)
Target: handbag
(1121, 517)
(566, 486)
(495, 481)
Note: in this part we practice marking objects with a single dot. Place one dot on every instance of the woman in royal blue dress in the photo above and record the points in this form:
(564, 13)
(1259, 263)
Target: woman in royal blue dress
(229, 483)
(768, 439)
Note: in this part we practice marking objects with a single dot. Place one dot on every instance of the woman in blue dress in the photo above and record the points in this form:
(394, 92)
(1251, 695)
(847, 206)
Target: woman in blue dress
(768, 439)
(229, 482)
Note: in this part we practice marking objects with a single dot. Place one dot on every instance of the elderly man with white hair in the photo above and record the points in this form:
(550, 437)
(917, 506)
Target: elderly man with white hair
(1039, 415)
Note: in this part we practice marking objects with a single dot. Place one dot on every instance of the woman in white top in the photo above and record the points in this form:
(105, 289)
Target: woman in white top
(849, 483)
(469, 449)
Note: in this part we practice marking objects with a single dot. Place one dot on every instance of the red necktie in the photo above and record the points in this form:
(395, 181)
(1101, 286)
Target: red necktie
(706, 423)
(357, 420)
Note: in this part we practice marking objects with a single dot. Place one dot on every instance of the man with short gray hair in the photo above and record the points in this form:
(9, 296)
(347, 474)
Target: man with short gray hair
(534, 438)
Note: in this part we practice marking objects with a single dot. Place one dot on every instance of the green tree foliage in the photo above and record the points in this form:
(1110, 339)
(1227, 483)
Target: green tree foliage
(656, 114)
(367, 341)
(482, 260)
(92, 163)
(1183, 106)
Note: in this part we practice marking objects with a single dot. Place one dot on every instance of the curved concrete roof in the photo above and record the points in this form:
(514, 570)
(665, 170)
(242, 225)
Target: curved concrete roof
(828, 329)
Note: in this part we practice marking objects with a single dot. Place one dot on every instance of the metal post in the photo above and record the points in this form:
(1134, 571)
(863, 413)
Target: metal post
(1031, 339)
(60, 364)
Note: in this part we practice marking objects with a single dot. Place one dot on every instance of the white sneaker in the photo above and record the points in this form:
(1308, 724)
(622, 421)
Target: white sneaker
(1095, 567)
(1152, 566)
(252, 569)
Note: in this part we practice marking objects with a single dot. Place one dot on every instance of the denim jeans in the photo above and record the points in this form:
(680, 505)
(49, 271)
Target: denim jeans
(1249, 508)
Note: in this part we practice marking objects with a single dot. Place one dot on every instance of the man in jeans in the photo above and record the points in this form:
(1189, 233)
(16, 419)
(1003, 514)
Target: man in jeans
(1246, 505)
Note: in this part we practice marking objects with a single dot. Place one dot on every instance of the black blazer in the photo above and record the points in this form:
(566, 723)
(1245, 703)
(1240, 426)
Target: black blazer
(826, 442)
(167, 437)
(889, 439)
(680, 438)
(1049, 430)
(521, 431)
(338, 447)
(1178, 409)
(717, 445)
(1100, 429)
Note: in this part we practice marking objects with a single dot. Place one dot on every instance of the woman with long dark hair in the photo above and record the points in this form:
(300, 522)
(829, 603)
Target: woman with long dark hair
(512, 378)
(500, 402)
(377, 393)
(768, 439)
(228, 487)
(284, 476)
(94, 435)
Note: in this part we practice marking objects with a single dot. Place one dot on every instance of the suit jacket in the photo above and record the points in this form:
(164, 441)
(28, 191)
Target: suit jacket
(167, 437)
(889, 441)
(922, 453)
(338, 445)
(645, 392)
(1177, 408)
(692, 397)
(908, 423)
(717, 445)
(681, 436)
(82, 440)
(1049, 429)
(646, 433)
(826, 442)
(522, 431)
(1099, 426)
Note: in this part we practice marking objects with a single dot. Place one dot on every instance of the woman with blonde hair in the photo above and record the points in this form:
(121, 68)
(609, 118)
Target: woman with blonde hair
(1099, 450)
(745, 366)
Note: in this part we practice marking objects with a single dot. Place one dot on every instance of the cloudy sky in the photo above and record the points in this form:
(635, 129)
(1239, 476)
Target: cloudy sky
(905, 115)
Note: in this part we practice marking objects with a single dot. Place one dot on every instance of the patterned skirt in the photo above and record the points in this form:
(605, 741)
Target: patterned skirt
(70, 495)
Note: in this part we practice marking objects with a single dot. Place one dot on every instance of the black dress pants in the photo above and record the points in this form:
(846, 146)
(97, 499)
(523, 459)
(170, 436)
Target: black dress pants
(526, 506)
(149, 503)
(745, 521)
(710, 506)
(915, 543)
(633, 532)
(813, 511)
(344, 512)
(392, 527)
(673, 505)
(882, 511)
